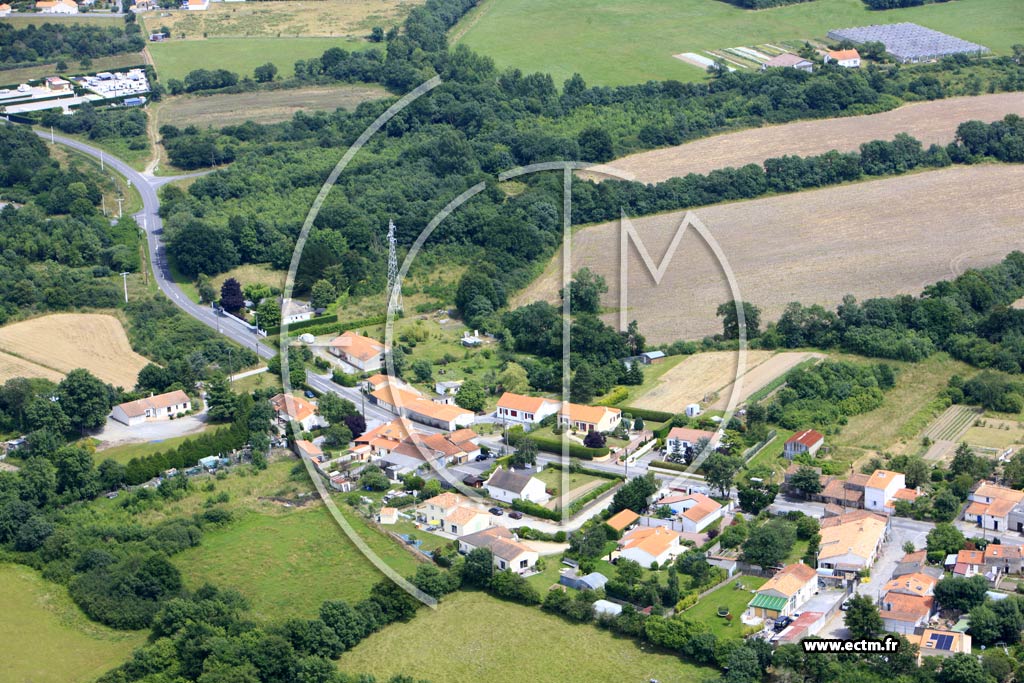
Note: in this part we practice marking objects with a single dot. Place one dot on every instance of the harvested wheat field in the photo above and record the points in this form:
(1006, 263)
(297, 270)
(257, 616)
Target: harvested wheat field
(929, 122)
(761, 374)
(696, 379)
(64, 341)
(12, 366)
(273, 19)
(264, 106)
(869, 239)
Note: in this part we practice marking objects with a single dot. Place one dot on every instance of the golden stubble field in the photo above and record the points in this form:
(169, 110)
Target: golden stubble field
(55, 344)
(343, 18)
(929, 122)
(869, 239)
(264, 106)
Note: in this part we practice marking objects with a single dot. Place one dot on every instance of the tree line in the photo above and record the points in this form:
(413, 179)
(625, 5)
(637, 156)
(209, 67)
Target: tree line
(62, 40)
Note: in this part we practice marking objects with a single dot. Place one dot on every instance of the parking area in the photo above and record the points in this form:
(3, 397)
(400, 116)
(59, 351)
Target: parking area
(117, 434)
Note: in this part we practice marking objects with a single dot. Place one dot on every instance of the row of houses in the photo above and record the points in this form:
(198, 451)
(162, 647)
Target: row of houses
(877, 491)
(531, 410)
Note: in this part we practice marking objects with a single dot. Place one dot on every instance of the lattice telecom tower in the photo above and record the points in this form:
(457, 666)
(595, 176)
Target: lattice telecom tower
(393, 268)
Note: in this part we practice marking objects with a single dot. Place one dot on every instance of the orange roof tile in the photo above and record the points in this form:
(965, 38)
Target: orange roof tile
(916, 583)
(907, 607)
(652, 540)
(295, 407)
(622, 519)
(790, 579)
(356, 345)
(839, 55)
(588, 414)
(462, 515)
(971, 557)
(529, 404)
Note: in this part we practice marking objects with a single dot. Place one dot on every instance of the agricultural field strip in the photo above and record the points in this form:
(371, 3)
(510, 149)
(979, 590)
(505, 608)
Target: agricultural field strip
(952, 423)
(929, 122)
(888, 248)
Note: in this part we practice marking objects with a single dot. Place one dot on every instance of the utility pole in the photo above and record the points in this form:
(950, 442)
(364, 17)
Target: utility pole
(51, 135)
(124, 276)
(102, 166)
(120, 201)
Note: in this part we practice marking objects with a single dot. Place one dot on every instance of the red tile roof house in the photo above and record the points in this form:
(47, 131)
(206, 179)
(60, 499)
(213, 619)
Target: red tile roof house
(363, 353)
(695, 510)
(807, 441)
(1003, 558)
(849, 59)
(969, 563)
(159, 407)
(903, 613)
(525, 410)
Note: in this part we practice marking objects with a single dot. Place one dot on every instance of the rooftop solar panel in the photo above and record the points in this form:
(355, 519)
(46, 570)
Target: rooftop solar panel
(940, 641)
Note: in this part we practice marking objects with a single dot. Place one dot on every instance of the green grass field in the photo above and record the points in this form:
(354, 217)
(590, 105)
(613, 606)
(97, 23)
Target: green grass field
(288, 564)
(552, 479)
(612, 43)
(46, 637)
(706, 610)
(175, 58)
(473, 637)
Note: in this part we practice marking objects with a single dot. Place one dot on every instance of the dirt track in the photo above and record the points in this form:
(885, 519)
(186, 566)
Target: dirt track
(929, 122)
(876, 238)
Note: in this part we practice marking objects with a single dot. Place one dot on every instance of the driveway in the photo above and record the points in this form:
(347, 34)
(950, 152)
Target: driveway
(116, 434)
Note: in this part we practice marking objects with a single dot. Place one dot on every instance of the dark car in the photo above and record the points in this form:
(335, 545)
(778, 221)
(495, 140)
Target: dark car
(496, 511)
(515, 514)
(310, 394)
(782, 622)
(481, 457)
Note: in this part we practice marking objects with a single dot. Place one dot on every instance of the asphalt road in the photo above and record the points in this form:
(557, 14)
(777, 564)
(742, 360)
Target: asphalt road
(149, 219)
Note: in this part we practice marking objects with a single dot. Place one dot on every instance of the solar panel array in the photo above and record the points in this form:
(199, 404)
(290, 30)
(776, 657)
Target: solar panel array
(940, 641)
(908, 42)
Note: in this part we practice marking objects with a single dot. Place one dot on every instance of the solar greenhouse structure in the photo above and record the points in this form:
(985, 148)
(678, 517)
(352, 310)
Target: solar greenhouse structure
(909, 43)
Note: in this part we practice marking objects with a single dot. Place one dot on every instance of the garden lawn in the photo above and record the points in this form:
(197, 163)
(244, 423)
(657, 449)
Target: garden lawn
(552, 479)
(473, 637)
(175, 58)
(287, 565)
(123, 454)
(706, 610)
(613, 43)
(46, 637)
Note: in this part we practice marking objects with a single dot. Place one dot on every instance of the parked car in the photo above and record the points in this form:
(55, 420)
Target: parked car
(496, 511)
(846, 605)
(481, 457)
(782, 622)
(515, 514)
(310, 394)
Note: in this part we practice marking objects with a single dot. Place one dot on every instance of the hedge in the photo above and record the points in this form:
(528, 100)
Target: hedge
(535, 510)
(317, 326)
(584, 470)
(578, 504)
(614, 396)
(662, 431)
(575, 450)
(652, 415)
(677, 466)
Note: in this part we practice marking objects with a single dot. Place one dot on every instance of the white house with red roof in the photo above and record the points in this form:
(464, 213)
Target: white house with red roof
(159, 407)
(57, 7)
(524, 410)
(695, 510)
(5, 10)
(681, 439)
(362, 353)
(807, 441)
(849, 59)
(881, 488)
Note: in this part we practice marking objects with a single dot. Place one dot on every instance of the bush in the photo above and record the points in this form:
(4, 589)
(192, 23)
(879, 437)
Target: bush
(575, 450)
(648, 415)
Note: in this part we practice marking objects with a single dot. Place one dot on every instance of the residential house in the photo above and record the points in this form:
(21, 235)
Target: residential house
(5, 10)
(197, 5)
(508, 485)
(695, 510)
(916, 563)
(448, 388)
(434, 510)
(308, 449)
(509, 553)
(851, 542)
(1005, 559)
(57, 7)
(846, 493)
(464, 520)
(881, 488)
(903, 613)
(682, 440)
(583, 418)
(912, 584)
(1015, 520)
(525, 410)
(968, 563)
(991, 505)
(622, 520)
(294, 311)
(362, 353)
(388, 515)
(807, 441)
(58, 84)
(937, 643)
(849, 59)
(784, 594)
(807, 624)
(471, 340)
(290, 408)
(647, 545)
(789, 61)
(433, 448)
(412, 405)
(380, 441)
(592, 581)
(159, 407)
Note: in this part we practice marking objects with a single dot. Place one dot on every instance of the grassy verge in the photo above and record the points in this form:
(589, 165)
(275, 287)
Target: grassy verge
(123, 454)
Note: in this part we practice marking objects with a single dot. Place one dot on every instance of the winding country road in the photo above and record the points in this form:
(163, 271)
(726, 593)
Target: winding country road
(149, 220)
